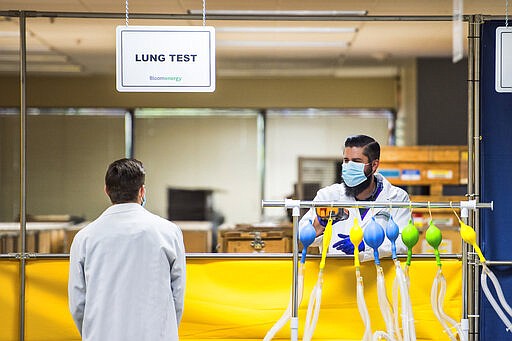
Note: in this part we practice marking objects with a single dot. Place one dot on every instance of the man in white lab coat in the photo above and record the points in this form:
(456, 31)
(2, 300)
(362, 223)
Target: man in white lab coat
(360, 182)
(127, 268)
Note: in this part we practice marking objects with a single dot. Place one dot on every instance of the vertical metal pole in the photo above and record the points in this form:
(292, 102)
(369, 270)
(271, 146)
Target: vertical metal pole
(129, 133)
(294, 321)
(476, 180)
(23, 169)
(262, 146)
(467, 298)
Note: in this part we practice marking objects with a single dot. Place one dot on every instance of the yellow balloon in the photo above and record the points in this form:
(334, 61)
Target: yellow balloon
(468, 234)
(356, 236)
(326, 242)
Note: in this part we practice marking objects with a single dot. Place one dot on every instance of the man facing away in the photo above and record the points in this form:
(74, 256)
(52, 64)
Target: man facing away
(127, 268)
(360, 182)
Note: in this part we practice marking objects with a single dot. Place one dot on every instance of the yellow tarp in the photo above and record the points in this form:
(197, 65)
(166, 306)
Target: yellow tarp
(9, 299)
(236, 299)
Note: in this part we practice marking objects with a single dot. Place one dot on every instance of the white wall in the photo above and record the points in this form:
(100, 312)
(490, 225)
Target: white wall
(209, 152)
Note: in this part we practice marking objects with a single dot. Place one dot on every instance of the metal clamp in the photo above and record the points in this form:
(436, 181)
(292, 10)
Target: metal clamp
(25, 255)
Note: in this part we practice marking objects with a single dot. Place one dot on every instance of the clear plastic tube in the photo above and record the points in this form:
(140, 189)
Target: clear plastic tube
(486, 272)
(445, 316)
(499, 292)
(288, 312)
(406, 273)
(396, 308)
(380, 335)
(363, 309)
(436, 300)
(411, 321)
(313, 308)
(400, 282)
(384, 305)
(435, 308)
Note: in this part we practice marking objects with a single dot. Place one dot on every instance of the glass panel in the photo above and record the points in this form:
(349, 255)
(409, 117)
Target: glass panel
(67, 153)
(9, 181)
(317, 134)
(202, 169)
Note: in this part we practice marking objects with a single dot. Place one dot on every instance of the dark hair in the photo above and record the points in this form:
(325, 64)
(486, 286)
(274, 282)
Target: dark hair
(371, 147)
(123, 180)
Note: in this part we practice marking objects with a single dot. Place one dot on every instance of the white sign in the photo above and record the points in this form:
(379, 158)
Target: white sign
(503, 59)
(165, 58)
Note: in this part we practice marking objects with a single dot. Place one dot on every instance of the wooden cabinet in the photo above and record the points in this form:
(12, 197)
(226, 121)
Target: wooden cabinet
(256, 239)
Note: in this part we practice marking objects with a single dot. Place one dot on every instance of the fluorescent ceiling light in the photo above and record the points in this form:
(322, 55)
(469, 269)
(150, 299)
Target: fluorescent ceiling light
(13, 48)
(275, 73)
(264, 43)
(367, 71)
(287, 29)
(9, 34)
(291, 71)
(37, 58)
(279, 13)
(42, 68)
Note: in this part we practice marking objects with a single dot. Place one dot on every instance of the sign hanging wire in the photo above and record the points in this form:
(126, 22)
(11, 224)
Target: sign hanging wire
(204, 12)
(126, 12)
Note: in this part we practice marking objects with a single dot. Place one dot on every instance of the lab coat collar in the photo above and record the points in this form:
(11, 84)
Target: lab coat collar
(119, 208)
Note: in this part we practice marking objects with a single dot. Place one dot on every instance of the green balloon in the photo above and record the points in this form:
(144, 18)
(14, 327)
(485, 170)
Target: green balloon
(433, 235)
(410, 235)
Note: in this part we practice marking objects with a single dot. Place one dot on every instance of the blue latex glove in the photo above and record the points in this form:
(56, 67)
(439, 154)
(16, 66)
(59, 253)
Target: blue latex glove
(345, 245)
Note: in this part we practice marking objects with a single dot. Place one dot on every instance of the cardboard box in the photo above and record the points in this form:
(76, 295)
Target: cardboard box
(197, 235)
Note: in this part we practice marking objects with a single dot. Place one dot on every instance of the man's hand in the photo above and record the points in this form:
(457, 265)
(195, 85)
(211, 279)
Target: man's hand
(337, 214)
(318, 227)
(346, 246)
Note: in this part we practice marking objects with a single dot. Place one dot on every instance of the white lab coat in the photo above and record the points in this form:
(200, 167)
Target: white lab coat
(127, 276)
(389, 193)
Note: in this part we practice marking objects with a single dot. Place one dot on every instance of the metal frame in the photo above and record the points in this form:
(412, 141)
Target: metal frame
(295, 205)
(470, 270)
(23, 168)
(199, 17)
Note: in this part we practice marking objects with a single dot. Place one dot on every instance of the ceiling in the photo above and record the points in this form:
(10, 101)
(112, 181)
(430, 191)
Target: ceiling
(245, 48)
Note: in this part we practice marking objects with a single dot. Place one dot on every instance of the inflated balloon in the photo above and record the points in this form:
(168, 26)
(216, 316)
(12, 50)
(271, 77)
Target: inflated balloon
(434, 238)
(410, 237)
(307, 236)
(468, 234)
(374, 236)
(392, 232)
(356, 236)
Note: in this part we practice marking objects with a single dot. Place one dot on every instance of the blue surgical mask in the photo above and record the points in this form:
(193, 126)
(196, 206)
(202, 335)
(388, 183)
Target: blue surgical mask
(353, 173)
(143, 201)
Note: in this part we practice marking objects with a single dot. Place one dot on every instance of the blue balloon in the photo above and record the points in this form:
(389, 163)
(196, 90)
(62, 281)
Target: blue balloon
(374, 236)
(307, 236)
(392, 232)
